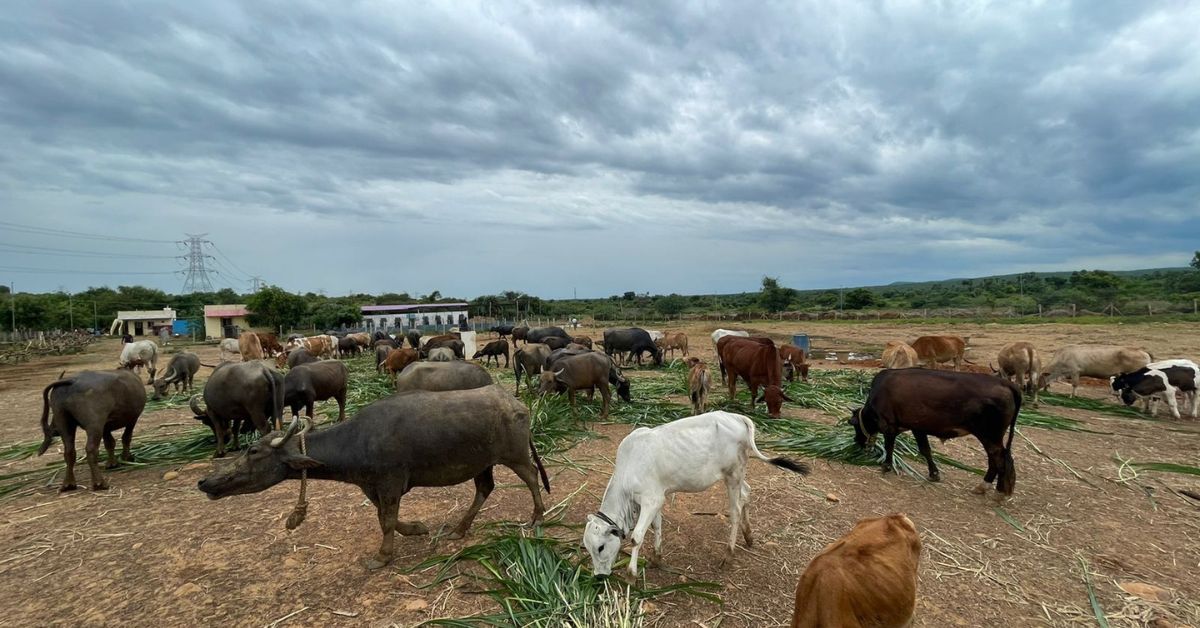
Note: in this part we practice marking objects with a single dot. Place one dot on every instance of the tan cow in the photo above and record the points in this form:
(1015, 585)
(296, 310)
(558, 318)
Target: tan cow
(899, 355)
(1019, 362)
(933, 350)
(1103, 361)
(362, 338)
(250, 346)
(673, 340)
(699, 383)
(866, 578)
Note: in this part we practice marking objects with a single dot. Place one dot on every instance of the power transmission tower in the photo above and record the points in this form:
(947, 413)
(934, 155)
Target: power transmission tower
(197, 275)
(257, 283)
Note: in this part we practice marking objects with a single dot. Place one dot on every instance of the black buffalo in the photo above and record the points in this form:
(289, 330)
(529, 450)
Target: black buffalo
(633, 340)
(99, 402)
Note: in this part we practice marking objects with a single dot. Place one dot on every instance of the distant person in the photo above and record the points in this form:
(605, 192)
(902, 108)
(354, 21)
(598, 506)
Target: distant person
(126, 338)
(164, 334)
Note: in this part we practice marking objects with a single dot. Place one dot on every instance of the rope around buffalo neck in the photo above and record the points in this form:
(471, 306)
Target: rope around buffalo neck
(301, 510)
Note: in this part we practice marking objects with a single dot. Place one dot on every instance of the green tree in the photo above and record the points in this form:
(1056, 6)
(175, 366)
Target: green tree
(333, 314)
(275, 307)
(858, 299)
(773, 297)
(670, 305)
(1195, 263)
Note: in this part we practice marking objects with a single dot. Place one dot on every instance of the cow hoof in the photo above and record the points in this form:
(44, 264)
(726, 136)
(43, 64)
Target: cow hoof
(935, 477)
(456, 535)
(103, 486)
(219, 454)
(66, 488)
(980, 489)
(885, 470)
(411, 528)
(377, 562)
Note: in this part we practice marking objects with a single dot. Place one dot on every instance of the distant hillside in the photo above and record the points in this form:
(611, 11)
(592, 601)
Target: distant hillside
(1014, 276)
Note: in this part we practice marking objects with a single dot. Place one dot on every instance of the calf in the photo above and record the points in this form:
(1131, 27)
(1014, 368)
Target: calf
(1020, 362)
(528, 361)
(249, 346)
(946, 405)
(793, 361)
(394, 445)
(180, 371)
(589, 370)
(684, 456)
(99, 402)
(699, 384)
(671, 341)
(755, 360)
(866, 578)
(1103, 361)
(899, 355)
(399, 359)
(493, 350)
(1160, 380)
(933, 350)
(307, 384)
(135, 355)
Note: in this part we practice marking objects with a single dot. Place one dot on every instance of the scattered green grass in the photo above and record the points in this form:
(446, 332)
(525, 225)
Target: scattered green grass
(1092, 405)
(173, 399)
(1166, 467)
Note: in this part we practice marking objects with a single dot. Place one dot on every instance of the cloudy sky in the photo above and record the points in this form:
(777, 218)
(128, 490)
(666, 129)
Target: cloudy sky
(598, 147)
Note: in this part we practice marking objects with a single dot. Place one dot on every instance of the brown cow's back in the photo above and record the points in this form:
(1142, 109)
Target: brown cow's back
(866, 578)
(249, 346)
(933, 350)
(899, 355)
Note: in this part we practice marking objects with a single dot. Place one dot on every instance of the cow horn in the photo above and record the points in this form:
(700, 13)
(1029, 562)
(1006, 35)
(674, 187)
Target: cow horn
(194, 403)
(278, 441)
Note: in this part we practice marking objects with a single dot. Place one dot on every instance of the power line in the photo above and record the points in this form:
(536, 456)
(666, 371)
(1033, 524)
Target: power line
(24, 269)
(45, 250)
(235, 266)
(76, 234)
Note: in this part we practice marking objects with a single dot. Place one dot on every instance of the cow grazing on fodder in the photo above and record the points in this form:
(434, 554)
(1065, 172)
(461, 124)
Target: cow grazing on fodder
(239, 392)
(634, 341)
(717, 335)
(755, 360)
(1020, 363)
(294, 358)
(933, 350)
(582, 340)
(684, 456)
(396, 444)
(946, 405)
(586, 371)
(99, 402)
(528, 361)
(398, 360)
(1103, 361)
(228, 347)
(1160, 380)
(322, 346)
(348, 347)
(135, 355)
(866, 578)
(269, 343)
(362, 338)
(381, 353)
(414, 338)
(899, 355)
(180, 371)
(493, 350)
(387, 341)
(249, 346)
(671, 341)
(699, 384)
(443, 376)
(307, 384)
(793, 362)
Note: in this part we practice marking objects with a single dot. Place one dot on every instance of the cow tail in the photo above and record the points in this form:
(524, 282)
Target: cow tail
(1008, 475)
(276, 393)
(794, 466)
(537, 460)
(46, 432)
(1029, 376)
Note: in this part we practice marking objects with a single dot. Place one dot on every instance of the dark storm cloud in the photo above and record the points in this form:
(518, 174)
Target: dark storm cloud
(813, 141)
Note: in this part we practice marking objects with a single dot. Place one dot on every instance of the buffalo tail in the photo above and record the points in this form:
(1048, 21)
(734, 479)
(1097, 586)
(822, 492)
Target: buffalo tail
(794, 466)
(537, 460)
(49, 435)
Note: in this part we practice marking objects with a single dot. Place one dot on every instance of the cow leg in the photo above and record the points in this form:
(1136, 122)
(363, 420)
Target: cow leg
(889, 445)
(753, 396)
(1074, 385)
(732, 385)
(218, 429)
(1170, 395)
(747, 537)
(68, 440)
(126, 440)
(110, 446)
(651, 508)
(529, 475)
(341, 401)
(505, 361)
(656, 558)
(995, 455)
(387, 508)
(606, 397)
(484, 483)
(235, 433)
(151, 370)
(92, 448)
(923, 445)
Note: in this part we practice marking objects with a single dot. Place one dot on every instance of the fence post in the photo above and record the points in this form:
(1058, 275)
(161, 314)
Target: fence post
(1039, 310)
(1072, 310)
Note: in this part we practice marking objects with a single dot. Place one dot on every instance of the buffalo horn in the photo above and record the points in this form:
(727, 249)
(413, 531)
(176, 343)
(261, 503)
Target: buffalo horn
(194, 402)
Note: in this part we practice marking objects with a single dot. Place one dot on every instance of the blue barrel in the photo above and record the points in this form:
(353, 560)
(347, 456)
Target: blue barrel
(801, 341)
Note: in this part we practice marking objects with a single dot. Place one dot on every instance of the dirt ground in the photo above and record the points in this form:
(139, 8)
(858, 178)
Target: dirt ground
(158, 552)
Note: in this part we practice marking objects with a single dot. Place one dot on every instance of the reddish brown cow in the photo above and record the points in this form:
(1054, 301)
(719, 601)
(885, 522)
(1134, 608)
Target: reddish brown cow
(933, 350)
(398, 359)
(755, 360)
(249, 346)
(866, 578)
(270, 344)
(794, 356)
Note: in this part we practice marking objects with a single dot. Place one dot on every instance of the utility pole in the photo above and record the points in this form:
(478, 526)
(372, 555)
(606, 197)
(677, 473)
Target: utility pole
(71, 309)
(197, 279)
(95, 319)
(12, 299)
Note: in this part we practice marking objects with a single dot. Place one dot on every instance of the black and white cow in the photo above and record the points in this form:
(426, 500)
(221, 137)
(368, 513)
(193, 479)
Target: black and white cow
(1160, 380)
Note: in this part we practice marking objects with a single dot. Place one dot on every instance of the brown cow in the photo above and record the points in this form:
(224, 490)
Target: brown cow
(582, 340)
(322, 346)
(933, 350)
(362, 338)
(249, 346)
(673, 340)
(398, 359)
(866, 578)
(699, 384)
(899, 355)
(270, 344)
(1020, 363)
(793, 361)
(755, 360)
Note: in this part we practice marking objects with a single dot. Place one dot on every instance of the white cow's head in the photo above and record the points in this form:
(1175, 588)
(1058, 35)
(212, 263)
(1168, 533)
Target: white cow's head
(603, 542)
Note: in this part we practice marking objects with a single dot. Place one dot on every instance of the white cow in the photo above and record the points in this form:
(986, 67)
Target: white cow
(1103, 361)
(135, 355)
(230, 346)
(685, 456)
(719, 334)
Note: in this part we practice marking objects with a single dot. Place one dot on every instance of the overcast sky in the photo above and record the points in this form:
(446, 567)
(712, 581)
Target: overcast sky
(686, 147)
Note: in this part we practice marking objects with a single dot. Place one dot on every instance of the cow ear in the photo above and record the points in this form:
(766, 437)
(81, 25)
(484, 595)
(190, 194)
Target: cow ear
(299, 462)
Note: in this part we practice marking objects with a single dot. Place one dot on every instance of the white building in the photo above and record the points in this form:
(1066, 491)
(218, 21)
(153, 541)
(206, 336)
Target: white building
(142, 322)
(439, 315)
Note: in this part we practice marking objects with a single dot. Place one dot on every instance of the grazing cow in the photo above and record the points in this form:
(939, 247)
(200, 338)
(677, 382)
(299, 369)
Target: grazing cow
(247, 391)
(1020, 363)
(322, 346)
(756, 361)
(180, 371)
(249, 346)
(398, 360)
(294, 358)
(447, 341)
(554, 342)
(229, 346)
(362, 338)
(135, 355)
(1161, 380)
(442, 376)
(673, 340)
(1103, 361)
(634, 341)
(528, 361)
(684, 456)
(717, 336)
(933, 350)
(589, 370)
(946, 405)
(582, 340)
(396, 444)
(270, 344)
(381, 353)
(348, 347)
(520, 333)
(307, 384)
(866, 578)
(793, 361)
(699, 384)
(501, 330)
(493, 350)
(899, 355)
(99, 402)
(540, 334)
(414, 338)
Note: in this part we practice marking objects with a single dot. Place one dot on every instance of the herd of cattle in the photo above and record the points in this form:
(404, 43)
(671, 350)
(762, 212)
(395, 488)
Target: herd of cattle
(449, 422)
